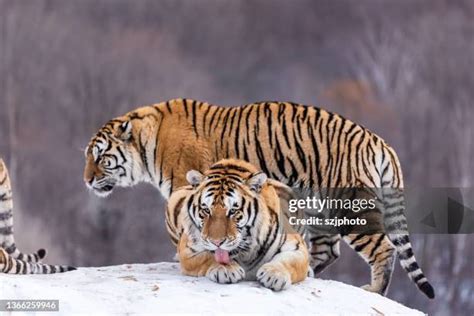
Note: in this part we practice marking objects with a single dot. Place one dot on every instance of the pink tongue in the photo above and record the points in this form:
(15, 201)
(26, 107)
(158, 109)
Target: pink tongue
(222, 256)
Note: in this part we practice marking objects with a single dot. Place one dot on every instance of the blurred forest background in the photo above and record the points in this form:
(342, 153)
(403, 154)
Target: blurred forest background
(402, 68)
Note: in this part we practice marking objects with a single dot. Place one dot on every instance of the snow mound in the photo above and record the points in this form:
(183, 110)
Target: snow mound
(161, 288)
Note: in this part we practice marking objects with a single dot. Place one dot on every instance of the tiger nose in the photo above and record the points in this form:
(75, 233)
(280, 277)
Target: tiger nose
(218, 242)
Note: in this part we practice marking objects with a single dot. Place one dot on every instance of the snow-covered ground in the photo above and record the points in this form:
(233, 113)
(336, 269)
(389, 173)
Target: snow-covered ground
(161, 289)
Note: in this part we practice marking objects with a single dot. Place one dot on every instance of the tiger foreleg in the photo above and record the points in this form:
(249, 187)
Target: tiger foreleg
(324, 250)
(193, 263)
(226, 273)
(202, 263)
(289, 266)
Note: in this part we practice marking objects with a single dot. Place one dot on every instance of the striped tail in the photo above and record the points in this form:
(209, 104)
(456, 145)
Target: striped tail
(7, 240)
(395, 221)
(409, 264)
(30, 257)
(11, 265)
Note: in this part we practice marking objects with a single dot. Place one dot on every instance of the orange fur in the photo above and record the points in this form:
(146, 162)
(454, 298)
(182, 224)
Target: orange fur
(302, 146)
(193, 265)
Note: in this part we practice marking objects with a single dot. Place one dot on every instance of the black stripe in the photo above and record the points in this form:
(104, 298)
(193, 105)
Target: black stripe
(285, 133)
(257, 121)
(10, 249)
(6, 215)
(8, 265)
(394, 213)
(217, 109)
(228, 166)
(253, 211)
(268, 242)
(4, 198)
(314, 144)
(160, 182)
(339, 155)
(157, 110)
(412, 267)
(185, 104)
(194, 119)
(171, 181)
(247, 120)
(121, 154)
(361, 247)
(246, 155)
(406, 254)
(281, 112)
(204, 119)
(3, 180)
(143, 155)
(400, 241)
(357, 152)
(268, 114)
(232, 120)
(305, 112)
(316, 238)
(293, 111)
(418, 277)
(377, 245)
(300, 152)
(280, 158)
(261, 156)
(298, 128)
(293, 173)
(359, 236)
(18, 266)
(328, 148)
(224, 124)
(168, 106)
(6, 230)
(237, 135)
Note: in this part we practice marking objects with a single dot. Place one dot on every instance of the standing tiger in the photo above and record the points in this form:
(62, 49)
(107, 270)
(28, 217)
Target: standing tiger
(305, 147)
(11, 259)
(228, 227)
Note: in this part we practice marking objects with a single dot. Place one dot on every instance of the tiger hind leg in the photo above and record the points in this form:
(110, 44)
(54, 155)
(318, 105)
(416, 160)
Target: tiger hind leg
(324, 250)
(379, 253)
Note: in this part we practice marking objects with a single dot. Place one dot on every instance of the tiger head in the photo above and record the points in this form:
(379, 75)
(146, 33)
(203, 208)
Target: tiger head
(112, 158)
(227, 199)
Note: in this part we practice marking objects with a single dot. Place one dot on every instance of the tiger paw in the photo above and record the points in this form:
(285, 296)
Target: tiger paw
(274, 277)
(226, 274)
(370, 288)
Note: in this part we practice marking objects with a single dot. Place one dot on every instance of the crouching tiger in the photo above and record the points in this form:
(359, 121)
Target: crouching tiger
(227, 226)
(11, 259)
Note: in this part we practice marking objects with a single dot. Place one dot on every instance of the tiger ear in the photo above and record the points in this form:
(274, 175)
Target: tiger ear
(125, 130)
(256, 181)
(194, 177)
